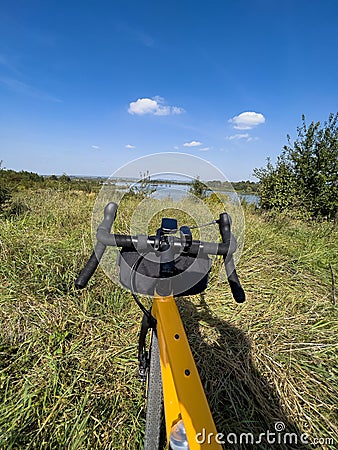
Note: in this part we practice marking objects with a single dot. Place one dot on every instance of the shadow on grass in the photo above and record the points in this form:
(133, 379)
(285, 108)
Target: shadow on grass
(246, 409)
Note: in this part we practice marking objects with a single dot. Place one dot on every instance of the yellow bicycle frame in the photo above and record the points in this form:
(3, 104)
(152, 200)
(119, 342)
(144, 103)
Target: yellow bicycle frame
(183, 393)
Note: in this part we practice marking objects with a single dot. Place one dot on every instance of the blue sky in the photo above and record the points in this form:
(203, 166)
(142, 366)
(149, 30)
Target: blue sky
(86, 86)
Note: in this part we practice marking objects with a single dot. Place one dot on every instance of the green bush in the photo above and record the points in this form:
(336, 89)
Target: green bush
(306, 173)
(198, 188)
(5, 196)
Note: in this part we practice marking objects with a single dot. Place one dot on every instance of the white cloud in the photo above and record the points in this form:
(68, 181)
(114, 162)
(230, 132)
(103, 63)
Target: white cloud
(238, 136)
(153, 106)
(95, 147)
(247, 120)
(176, 110)
(176, 147)
(130, 146)
(192, 144)
(204, 149)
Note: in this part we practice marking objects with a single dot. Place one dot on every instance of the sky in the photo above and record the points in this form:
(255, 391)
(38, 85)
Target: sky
(88, 86)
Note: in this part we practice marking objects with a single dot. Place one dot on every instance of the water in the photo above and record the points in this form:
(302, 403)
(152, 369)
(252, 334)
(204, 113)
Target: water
(177, 191)
(252, 199)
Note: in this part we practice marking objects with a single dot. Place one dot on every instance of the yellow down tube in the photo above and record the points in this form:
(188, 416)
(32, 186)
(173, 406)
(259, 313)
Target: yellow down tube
(183, 392)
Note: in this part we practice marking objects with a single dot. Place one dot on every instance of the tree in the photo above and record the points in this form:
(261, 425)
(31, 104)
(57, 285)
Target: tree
(5, 194)
(144, 187)
(64, 178)
(277, 185)
(306, 173)
(198, 189)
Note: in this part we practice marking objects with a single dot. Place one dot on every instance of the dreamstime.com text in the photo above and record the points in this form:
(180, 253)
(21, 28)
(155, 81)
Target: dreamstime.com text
(278, 436)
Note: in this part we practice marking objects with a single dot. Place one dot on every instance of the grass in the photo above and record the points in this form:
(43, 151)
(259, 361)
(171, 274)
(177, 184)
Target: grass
(68, 359)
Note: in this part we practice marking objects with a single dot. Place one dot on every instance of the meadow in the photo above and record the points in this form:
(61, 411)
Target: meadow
(68, 358)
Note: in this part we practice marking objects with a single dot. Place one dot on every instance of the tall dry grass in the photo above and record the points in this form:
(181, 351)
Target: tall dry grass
(68, 359)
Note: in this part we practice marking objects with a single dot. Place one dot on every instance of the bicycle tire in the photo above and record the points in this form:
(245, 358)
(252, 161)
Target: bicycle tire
(154, 411)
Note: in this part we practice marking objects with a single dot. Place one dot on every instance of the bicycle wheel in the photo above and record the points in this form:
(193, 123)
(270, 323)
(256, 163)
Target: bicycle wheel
(154, 414)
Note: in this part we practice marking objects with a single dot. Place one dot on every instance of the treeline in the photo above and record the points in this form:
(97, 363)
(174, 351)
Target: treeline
(16, 181)
(304, 179)
(245, 187)
(12, 181)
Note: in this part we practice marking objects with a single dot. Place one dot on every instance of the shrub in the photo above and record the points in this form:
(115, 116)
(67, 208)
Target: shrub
(306, 173)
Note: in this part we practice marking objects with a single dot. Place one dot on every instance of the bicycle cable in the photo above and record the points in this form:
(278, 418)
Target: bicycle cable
(134, 271)
(213, 222)
(134, 268)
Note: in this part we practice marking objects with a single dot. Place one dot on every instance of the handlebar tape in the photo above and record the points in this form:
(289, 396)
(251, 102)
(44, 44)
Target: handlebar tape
(90, 267)
(235, 285)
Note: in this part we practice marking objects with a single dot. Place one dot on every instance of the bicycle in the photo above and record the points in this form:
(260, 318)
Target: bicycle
(179, 266)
